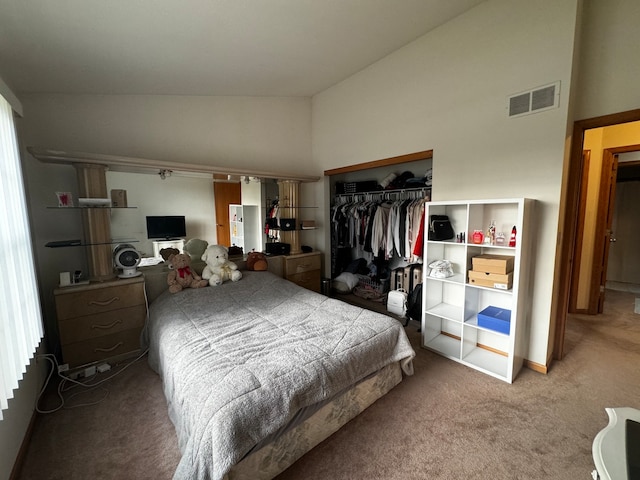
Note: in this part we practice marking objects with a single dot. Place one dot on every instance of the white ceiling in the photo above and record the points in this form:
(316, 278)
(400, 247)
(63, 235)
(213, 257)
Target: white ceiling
(204, 47)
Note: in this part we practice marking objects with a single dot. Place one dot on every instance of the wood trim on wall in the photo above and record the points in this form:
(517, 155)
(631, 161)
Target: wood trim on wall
(536, 367)
(411, 157)
(22, 452)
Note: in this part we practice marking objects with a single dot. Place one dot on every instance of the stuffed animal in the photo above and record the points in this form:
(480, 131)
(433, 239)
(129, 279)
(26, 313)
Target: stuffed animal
(181, 276)
(195, 248)
(219, 269)
(165, 253)
(256, 261)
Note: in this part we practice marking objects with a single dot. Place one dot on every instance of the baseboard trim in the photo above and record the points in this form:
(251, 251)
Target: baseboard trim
(17, 466)
(536, 367)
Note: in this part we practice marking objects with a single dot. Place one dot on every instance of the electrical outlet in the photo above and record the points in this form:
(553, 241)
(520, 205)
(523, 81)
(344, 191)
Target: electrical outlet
(89, 371)
(63, 368)
(104, 367)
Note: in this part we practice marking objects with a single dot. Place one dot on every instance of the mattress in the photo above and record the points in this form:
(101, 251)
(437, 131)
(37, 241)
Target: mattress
(239, 361)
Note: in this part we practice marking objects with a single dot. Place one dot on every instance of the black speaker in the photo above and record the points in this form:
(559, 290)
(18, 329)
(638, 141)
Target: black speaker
(287, 224)
(277, 248)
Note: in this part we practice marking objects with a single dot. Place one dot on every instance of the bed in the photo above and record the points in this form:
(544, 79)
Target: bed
(258, 372)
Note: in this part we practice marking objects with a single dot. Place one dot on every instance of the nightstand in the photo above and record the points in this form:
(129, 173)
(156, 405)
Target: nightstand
(100, 320)
(303, 269)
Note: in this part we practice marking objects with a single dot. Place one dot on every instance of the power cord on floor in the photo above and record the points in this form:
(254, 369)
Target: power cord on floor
(67, 384)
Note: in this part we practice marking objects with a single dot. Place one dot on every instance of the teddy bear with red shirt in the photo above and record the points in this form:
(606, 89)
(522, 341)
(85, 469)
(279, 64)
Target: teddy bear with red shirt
(182, 275)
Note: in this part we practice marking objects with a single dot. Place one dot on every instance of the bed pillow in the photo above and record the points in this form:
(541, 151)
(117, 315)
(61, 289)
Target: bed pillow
(345, 282)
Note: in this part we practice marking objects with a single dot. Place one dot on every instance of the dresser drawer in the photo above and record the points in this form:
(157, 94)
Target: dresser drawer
(100, 324)
(89, 302)
(100, 348)
(302, 263)
(310, 280)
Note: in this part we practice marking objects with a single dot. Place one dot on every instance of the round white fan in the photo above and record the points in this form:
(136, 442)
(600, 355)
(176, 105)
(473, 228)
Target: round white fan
(127, 258)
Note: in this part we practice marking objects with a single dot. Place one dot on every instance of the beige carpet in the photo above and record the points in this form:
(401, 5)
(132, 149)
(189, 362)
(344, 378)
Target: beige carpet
(445, 422)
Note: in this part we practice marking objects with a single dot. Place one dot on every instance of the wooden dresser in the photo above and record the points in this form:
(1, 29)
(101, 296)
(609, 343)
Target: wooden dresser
(303, 269)
(100, 320)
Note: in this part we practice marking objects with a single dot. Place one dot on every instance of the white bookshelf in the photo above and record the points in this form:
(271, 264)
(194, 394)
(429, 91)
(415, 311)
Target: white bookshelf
(245, 227)
(450, 305)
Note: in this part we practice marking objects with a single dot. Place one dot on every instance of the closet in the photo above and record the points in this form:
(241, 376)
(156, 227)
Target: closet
(375, 218)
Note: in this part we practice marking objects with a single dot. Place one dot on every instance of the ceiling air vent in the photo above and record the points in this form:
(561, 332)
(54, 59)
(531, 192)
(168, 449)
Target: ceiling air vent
(534, 101)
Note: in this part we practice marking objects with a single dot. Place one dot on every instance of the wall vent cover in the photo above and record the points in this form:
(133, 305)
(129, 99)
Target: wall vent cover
(537, 100)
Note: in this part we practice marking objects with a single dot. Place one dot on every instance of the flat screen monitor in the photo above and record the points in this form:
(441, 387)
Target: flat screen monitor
(166, 227)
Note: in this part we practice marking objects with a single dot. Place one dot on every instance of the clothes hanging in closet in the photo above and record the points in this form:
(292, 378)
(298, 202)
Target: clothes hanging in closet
(381, 228)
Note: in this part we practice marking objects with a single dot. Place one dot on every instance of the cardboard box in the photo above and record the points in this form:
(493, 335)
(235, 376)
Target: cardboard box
(491, 280)
(495, 318)
(502, 264)
(119, 198)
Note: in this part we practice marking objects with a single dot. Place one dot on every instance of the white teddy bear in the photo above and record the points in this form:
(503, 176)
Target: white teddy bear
(219, 269)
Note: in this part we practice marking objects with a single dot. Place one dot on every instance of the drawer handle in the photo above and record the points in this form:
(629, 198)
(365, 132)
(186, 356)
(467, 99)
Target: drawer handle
(304, 265)
(106, 327)
(105, 303)
(119, 344)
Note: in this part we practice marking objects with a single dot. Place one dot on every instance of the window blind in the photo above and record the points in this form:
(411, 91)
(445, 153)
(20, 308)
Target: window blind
(20, 315)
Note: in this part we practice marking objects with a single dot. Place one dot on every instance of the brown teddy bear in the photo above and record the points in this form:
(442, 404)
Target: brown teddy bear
(182, 276)
(256, 261)
(165, 253)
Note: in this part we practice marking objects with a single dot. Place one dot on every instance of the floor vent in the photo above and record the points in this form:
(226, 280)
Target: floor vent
(533, 101)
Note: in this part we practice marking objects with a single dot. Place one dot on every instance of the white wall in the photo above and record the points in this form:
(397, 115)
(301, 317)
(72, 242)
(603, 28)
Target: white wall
(447, 92)
(247, 132)
(609, 66)
(150, 195)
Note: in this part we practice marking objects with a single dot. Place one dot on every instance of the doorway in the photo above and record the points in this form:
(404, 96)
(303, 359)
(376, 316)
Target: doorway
(623, 271)
(570, 227)
(225, 193)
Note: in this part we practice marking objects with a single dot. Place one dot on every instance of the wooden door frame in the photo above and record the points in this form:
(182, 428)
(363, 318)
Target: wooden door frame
(568, 225)
(581, 215)
(606, 203)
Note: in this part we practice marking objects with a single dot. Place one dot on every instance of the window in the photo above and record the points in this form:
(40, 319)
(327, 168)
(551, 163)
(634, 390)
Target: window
(20, 317)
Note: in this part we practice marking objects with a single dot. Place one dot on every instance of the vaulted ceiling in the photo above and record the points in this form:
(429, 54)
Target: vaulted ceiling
(204, 47)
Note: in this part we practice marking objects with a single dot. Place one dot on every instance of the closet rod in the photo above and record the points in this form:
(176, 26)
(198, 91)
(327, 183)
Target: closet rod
(384, 194)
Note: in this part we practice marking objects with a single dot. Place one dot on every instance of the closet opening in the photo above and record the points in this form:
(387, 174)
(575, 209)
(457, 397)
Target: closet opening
(375, 217)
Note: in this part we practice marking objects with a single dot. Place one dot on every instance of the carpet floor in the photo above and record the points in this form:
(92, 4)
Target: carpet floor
(445, 422)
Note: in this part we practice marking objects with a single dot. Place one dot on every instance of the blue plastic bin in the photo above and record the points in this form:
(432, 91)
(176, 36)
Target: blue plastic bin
(495, 318)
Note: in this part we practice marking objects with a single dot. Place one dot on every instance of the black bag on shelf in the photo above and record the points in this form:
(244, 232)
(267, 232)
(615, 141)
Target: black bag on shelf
(440, 228)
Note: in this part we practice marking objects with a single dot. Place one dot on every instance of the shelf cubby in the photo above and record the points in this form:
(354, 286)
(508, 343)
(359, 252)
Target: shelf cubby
(451, 305)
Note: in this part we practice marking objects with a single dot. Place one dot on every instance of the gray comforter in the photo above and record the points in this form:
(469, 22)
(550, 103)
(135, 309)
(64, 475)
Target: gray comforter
(239, 360)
